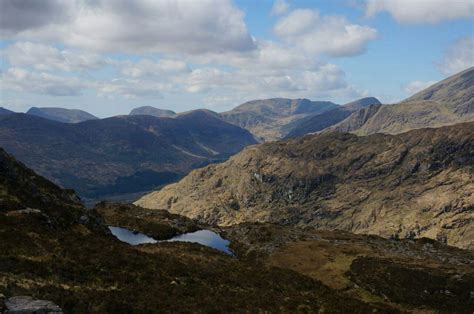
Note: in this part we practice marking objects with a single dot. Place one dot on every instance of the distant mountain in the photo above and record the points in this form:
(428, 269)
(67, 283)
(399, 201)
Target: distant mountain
(448, 102)
(5, 111)
(120, 155)
(152, 111)
(415, 184)
(323, 120)
(61, 114)
(269, 119)
(455, 92)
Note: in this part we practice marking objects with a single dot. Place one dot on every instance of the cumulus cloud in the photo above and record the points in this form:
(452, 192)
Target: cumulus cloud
(422, 11)
(147, 67)
(280, 7)
(18, 79)
(416, 86)
(333, 35)
(458, 57)
(48, 58)
(130, 88)
(191, 27)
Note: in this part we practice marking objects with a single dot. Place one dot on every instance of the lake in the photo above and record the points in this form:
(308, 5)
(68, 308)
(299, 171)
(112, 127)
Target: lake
(203, 237)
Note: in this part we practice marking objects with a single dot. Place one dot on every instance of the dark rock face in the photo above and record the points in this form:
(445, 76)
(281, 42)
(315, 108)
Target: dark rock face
(120, 155)
(62, 114)
(28, 305)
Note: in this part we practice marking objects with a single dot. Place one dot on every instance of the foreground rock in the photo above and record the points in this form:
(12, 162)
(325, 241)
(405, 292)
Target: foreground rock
(416, 184)
(28, 305)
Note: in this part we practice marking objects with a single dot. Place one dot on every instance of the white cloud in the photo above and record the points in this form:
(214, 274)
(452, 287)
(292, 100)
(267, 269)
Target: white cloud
(48, 58)
(280, 7)
(18, 79)
(182, 26)
(333, 35)
(416, 86)
(458, 57)
(131, 88)
(422, 11)
(147, 67)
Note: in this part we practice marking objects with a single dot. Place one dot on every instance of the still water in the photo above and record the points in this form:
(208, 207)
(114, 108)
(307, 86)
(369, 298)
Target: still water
(203, 237)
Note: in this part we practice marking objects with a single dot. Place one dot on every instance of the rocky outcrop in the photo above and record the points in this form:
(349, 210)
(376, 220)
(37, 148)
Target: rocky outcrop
(416, 184)
(28, 305)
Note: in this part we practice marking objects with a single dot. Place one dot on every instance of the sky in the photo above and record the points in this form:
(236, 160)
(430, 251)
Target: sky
(110, 56)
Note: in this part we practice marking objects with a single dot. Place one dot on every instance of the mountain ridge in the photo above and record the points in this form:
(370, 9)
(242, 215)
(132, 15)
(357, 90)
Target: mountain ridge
(447, 102)
(61, 114)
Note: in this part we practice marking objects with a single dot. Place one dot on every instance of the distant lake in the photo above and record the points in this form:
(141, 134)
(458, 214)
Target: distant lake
(203, 237)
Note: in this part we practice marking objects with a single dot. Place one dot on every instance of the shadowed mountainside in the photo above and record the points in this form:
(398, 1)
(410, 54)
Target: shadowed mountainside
(269, 119)
(448, 102)
(323, 120)
(5, 111)
(415, 184)
(61, 114)
(120, 155)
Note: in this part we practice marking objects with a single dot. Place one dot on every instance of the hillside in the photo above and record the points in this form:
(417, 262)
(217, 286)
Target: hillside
(152, 111)
(416, 184)
(51, 253)
(323, 120)
(120, 155)
(269, 119)
(448, 102)
(56, 250)
(61, 114)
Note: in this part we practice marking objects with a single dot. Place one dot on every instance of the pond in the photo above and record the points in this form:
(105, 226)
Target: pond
(203, 237)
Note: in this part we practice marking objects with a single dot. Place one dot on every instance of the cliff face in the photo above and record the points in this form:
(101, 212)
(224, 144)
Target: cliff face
(416, 184)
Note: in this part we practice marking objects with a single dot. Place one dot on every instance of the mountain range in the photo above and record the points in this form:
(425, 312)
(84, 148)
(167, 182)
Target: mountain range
(318, 122)
(123, 154)
(271, 119)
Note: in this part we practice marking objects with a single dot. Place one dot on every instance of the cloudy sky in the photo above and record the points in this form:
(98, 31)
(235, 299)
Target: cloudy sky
(109, 56)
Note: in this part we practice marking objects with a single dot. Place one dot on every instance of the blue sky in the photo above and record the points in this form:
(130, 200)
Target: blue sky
(109, 56)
